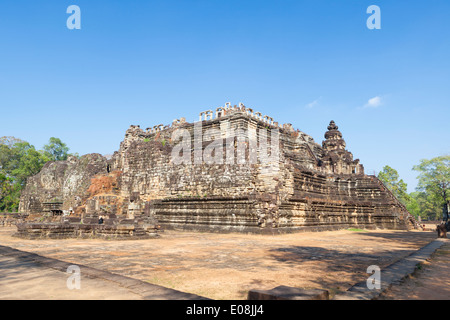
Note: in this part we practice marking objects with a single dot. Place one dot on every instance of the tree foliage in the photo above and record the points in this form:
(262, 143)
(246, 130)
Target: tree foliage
(434, 177)
(432, 190)
(56, 150)
(392, 181)
(424, 205)
(9, 194)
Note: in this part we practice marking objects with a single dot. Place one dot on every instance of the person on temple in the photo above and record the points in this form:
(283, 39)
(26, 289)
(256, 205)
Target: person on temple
(100, 220)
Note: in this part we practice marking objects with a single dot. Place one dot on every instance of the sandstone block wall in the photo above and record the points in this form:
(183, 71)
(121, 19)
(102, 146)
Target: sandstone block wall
(61, 181)
(306, 187)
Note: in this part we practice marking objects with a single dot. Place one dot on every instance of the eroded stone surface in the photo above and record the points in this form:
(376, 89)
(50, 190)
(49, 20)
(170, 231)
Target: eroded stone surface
(305, 187)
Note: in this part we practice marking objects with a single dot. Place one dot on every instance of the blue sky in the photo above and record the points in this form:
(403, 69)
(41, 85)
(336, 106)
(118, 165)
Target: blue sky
(301, 62)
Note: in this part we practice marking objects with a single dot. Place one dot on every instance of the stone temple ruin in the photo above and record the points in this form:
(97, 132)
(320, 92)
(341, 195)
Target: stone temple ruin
(140, 188)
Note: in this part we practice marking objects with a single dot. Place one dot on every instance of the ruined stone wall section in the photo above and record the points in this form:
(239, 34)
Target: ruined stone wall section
(147, 168)
(62, 181)
(45, 186)
(329, 202)
(224, 119)
(149, 172)
(294, 192)
(356, 188)
(307, 186)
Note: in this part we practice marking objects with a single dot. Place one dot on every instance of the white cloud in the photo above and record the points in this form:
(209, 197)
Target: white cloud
(313, 104)
(374, 102)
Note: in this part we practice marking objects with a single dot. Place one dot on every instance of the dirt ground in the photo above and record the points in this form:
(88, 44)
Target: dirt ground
(429, 282)
(25, 280)
(227, 266)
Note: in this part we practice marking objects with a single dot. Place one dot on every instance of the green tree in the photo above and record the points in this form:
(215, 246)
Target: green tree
(424, 205)
(6, 150)
(27, 162)
(392, 181)
(9, 194)
(56, 150)
(9, 141)
(434, 178)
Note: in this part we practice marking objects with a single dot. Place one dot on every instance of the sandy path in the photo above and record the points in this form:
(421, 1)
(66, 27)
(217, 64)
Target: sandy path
(226, 266)
(430, 282)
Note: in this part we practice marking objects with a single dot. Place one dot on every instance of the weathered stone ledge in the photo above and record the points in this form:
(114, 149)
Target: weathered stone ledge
(102, 231)
(392, 274)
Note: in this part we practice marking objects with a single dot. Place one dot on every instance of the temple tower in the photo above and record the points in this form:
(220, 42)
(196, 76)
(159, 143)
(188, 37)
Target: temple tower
(336, 158)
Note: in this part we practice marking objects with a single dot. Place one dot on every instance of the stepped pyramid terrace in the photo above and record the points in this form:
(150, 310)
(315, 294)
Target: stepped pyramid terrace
(233, 170)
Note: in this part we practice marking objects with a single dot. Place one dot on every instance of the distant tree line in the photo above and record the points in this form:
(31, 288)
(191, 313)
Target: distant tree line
(20, 160)
(432, 190)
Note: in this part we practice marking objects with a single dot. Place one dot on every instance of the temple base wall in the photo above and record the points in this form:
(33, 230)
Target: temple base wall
(64, 231)
(244, 215)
